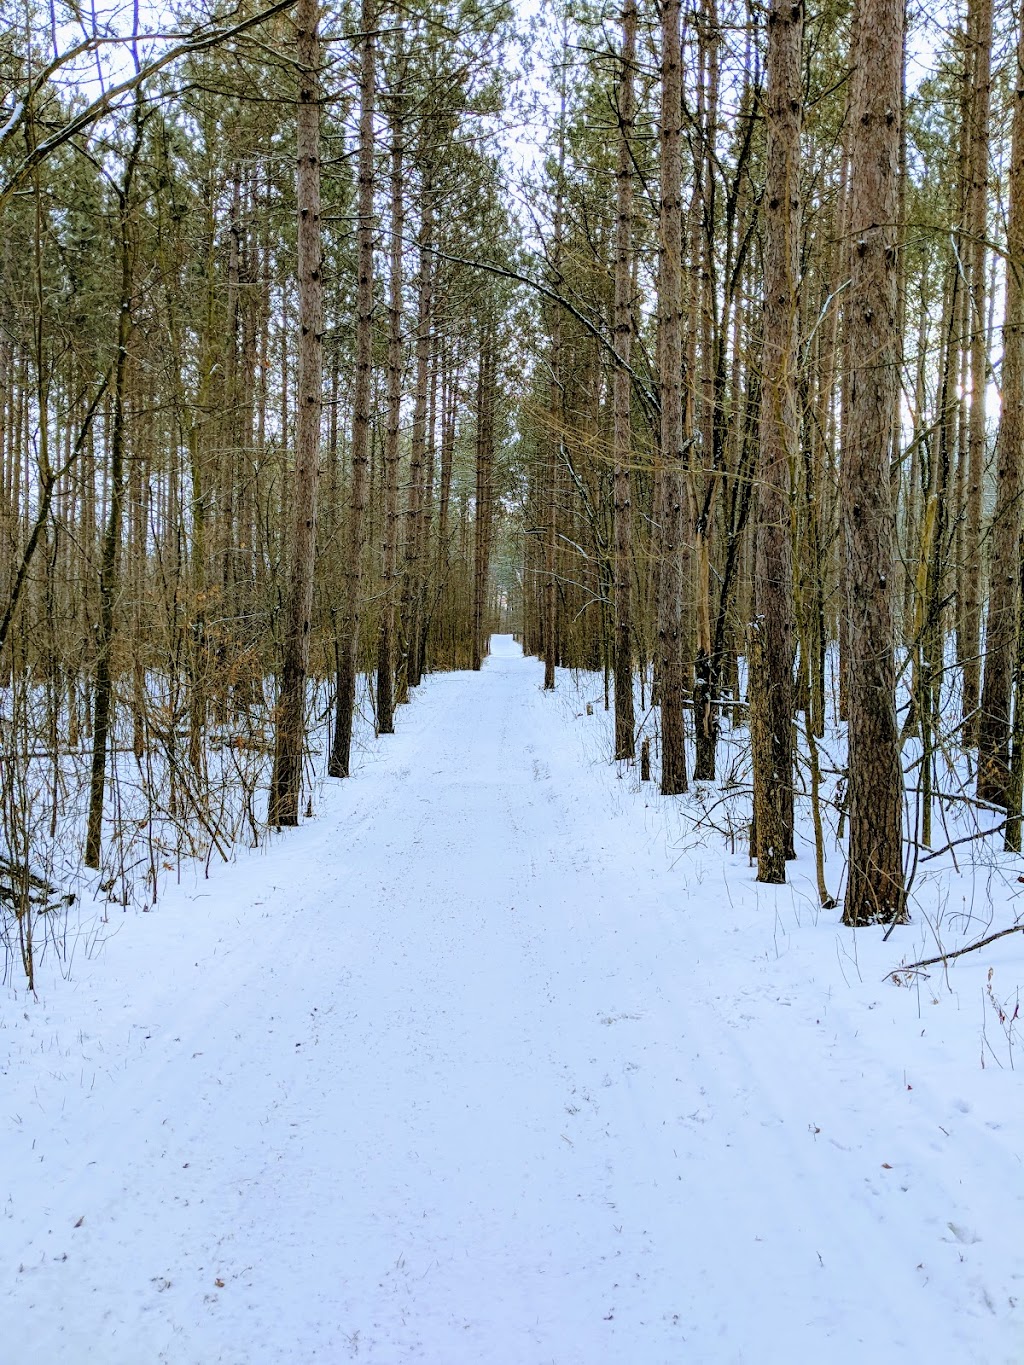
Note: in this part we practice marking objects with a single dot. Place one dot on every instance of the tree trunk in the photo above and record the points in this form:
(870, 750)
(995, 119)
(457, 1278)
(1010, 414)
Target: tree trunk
(874, 887)
(412, 582)
(347, 645)
(622, 438)
(979, 32)
(110, 563)
(556, 433)
(1001, 630)
(772, 630)
(484, 489)
(389, 557)
(290, 732)
(672, 460)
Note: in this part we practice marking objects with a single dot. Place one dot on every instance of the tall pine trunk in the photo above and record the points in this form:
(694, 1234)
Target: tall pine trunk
(622, 438)
(979, 35)
(484, 488)
(1002, 625)
(389, 554)
(874, 886)
(772, 630)
(111, 555)
(413, 577)
(672, 457)
(290, 734)
(347, 645)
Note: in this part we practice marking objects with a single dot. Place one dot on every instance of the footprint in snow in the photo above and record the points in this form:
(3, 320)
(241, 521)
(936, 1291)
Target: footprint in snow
(963, 1235)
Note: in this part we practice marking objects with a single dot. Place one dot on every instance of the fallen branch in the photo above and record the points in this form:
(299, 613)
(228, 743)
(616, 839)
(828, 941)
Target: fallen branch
(960, 952)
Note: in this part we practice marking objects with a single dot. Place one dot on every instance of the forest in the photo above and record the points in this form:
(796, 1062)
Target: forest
(684, 343)
(511, 682)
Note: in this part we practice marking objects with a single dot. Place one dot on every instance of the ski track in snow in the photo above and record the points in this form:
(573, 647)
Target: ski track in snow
(464, 1070)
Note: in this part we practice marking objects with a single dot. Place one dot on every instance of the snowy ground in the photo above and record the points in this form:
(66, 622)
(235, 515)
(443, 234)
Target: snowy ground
(491, 1062)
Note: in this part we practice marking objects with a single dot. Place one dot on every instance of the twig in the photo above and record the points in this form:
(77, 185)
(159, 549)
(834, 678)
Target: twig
(948, 957)
(967, 839)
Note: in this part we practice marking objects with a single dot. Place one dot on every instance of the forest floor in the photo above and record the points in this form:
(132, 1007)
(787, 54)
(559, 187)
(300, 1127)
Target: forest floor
(499, 1060)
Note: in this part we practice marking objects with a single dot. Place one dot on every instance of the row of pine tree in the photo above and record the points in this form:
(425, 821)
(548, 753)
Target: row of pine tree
(684, 341)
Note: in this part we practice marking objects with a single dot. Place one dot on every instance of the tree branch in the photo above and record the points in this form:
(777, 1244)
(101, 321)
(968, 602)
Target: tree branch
(48, 481)
(197, 41)
(505, 272)
(948, 957)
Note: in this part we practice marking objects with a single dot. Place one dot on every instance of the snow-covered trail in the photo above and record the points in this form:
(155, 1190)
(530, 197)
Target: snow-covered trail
(460, 1071)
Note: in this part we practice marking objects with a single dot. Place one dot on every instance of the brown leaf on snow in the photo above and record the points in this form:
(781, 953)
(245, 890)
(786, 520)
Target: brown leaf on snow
(219, 1284)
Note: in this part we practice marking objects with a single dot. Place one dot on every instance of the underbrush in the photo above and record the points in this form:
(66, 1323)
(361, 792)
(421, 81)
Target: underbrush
(963, 888)
(169, 801)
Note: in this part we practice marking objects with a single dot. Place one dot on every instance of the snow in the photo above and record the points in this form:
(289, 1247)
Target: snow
(499, 1059)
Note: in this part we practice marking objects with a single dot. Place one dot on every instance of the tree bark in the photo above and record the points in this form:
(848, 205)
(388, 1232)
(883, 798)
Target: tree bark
(389, 555)
(484, 489)
(412, 581)
(875, 887)
(979, 27)
(556, 433)
(103, 692)
(625, 744)
(1001, 629)
(290, 731)
(772, 630)
(672, 455)
(347, 645)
